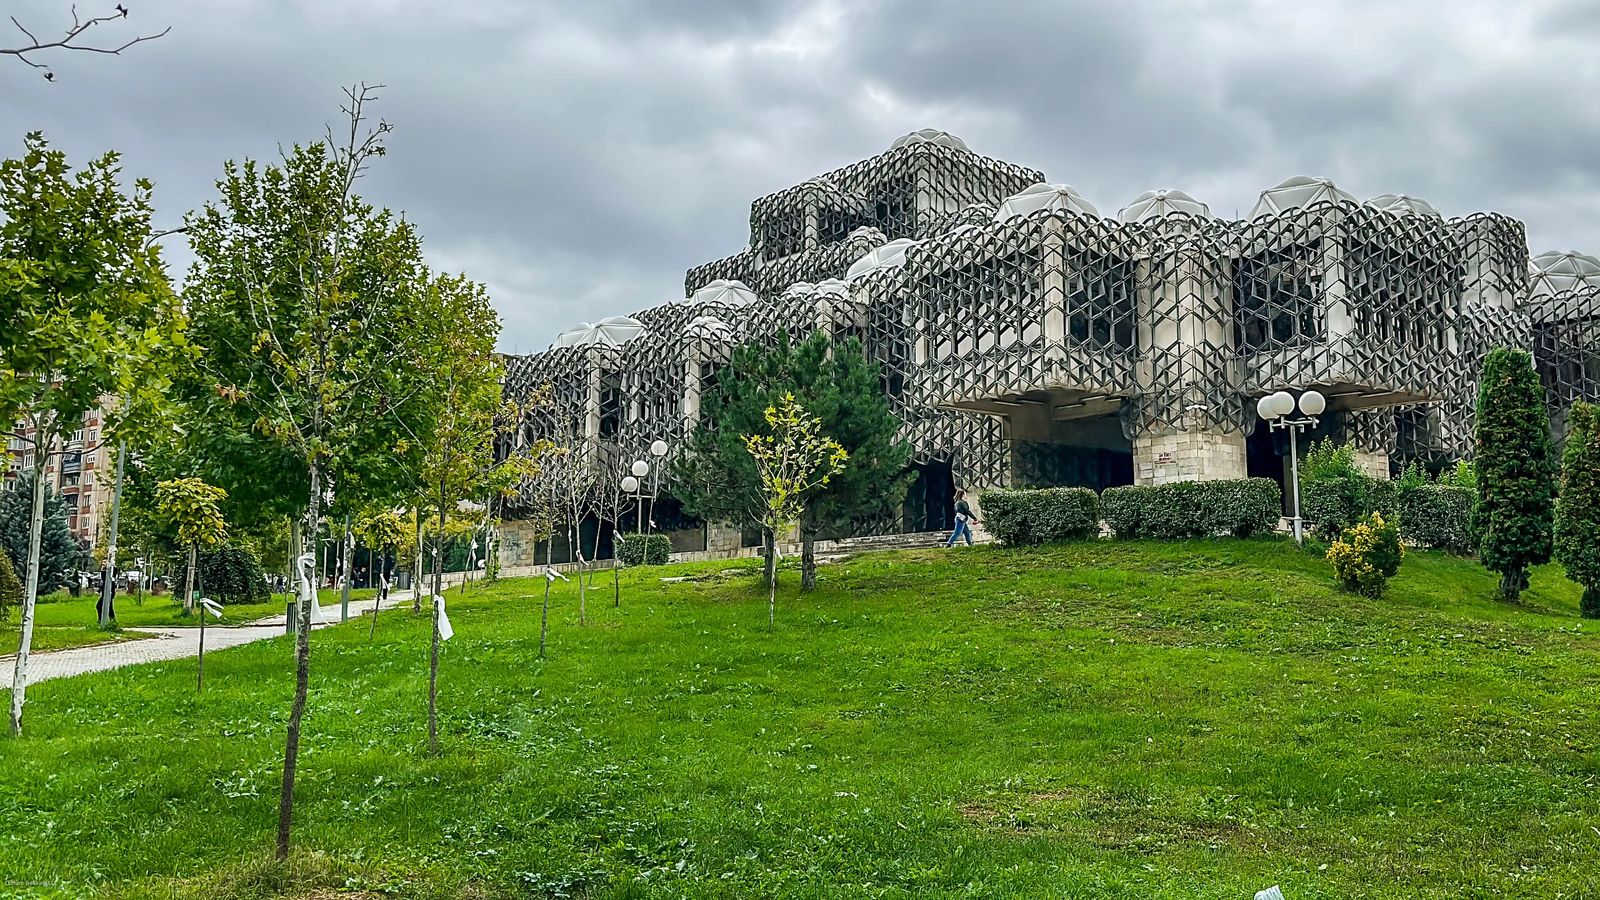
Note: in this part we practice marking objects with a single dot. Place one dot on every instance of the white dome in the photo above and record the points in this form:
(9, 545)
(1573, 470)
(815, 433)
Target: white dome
(709, 328)
(1563, 270)
(723, 291)
(610, 332)
(891, 255)
(833, 288)
(1039, 196)
(1404, 205)
(1301, 190)
(929, 136)
(1156, 204)
(798, 289)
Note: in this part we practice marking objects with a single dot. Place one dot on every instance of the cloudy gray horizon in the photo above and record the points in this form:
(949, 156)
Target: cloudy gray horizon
(579, 157)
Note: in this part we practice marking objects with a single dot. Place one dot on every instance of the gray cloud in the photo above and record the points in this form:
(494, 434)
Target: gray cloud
(579, 157)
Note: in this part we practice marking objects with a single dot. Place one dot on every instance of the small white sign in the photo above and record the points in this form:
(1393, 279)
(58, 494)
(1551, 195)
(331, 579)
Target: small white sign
(212, 606)
(1164, 458)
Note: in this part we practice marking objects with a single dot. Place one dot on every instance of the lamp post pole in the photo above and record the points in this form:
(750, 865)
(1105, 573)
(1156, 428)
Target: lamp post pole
(1277, 409)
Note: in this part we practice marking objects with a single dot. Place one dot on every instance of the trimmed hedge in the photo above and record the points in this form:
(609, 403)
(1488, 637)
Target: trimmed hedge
(645, 550)
(1437, 516)
(1020, 517)
(1239, 507)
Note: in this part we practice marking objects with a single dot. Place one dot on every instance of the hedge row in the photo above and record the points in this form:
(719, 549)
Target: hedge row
(1438, 516)
(1040, 516)
(1240, 507)
(1431, 515)
(644, 549)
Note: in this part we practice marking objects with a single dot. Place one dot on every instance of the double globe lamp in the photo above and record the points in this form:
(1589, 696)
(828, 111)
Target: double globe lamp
(1278, 410)
(633, 484)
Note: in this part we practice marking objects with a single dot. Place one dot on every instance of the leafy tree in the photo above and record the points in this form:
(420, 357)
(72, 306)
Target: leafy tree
(794, 459)
(59, 553)
(1516, 479)
(1577, 526)
(466, 417)
(232, 574)
(10, 588)
(87, 313)
(306, 299)
(193, 507)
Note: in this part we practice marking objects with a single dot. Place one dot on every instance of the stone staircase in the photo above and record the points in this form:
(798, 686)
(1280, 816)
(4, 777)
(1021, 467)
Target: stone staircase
(832, 551)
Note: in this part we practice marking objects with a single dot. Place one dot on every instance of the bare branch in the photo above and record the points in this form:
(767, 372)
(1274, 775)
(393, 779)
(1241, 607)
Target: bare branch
(70, 41)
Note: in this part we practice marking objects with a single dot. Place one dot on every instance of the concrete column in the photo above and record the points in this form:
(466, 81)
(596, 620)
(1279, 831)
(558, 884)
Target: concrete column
(1188, 456)
(1375, 463)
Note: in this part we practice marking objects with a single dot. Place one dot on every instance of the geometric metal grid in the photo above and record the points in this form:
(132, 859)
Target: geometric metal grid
(1008, 315)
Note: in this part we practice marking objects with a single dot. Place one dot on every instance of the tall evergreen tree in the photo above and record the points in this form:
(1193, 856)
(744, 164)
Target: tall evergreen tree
(844, 390)
(1516, 477)
(59, 552)
(716, 479)
(1577, 530)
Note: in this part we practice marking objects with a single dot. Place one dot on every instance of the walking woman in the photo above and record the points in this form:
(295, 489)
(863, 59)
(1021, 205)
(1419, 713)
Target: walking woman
(963, 521)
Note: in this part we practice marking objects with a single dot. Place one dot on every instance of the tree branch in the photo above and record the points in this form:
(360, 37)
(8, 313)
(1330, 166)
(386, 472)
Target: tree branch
(79, 28)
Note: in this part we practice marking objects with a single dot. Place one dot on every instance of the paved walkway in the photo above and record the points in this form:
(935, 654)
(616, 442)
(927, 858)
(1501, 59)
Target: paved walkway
(173, 643)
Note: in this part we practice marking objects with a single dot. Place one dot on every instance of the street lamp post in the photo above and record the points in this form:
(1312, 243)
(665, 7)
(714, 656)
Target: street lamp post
(633, 485)
(1277, 410)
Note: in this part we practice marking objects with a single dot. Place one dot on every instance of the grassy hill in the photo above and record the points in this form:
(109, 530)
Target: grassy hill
(1192, 720)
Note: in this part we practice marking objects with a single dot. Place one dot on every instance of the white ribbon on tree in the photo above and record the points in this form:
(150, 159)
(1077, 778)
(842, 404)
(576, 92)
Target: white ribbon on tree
(445, 631)
(551, 574)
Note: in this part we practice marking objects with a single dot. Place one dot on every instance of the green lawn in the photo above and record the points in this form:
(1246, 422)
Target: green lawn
(1193, 720)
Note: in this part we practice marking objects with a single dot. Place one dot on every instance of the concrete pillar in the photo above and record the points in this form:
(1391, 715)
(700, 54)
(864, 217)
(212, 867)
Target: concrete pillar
(1188, 456)
(1374, 463)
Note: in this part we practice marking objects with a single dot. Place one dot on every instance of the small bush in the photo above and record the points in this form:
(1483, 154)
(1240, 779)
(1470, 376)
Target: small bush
(1437, 516)
(1239, 507)
(230, 575)
(645, 550)
(1367, 555)
(1019, 517)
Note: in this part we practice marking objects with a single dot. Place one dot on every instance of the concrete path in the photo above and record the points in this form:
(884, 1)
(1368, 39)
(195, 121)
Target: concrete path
(173, 643)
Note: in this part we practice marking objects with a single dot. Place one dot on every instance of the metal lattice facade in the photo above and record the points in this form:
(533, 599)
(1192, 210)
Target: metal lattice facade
(1027, 339)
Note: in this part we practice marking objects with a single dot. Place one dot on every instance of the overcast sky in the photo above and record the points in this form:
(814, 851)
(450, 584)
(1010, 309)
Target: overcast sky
(578, 157)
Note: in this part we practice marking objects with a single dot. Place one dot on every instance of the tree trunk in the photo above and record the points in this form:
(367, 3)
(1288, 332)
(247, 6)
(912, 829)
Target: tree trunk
(348, 550)
(808, 552)
(772, 601)
(769, 543)
(293, 584)
(108, 572)
(544, 616)
(576, 536)
(302, 674)
(188, 580)
(1513, 583)
(416, 583)
(433, 651)
(30, 591)
(594, 555)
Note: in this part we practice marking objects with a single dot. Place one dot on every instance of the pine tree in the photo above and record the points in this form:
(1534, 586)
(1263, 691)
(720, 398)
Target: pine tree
(844, 390)
(10, 588)
(1577, 531)
(1516, 478)
(60, 554)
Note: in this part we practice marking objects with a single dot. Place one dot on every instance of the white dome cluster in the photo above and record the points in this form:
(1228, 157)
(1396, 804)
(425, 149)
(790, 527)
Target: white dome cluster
(1299, 191)
(1159, 204)
(888, 256)
(1559, 271)
(722, 292)
(1039, 196)
(609, 332)
(929, 136)
(1404, 205)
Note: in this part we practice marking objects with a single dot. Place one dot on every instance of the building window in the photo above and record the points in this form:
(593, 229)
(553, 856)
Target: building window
(783, 234)
(1277, 299)
(611, 406)
(1100, 301)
